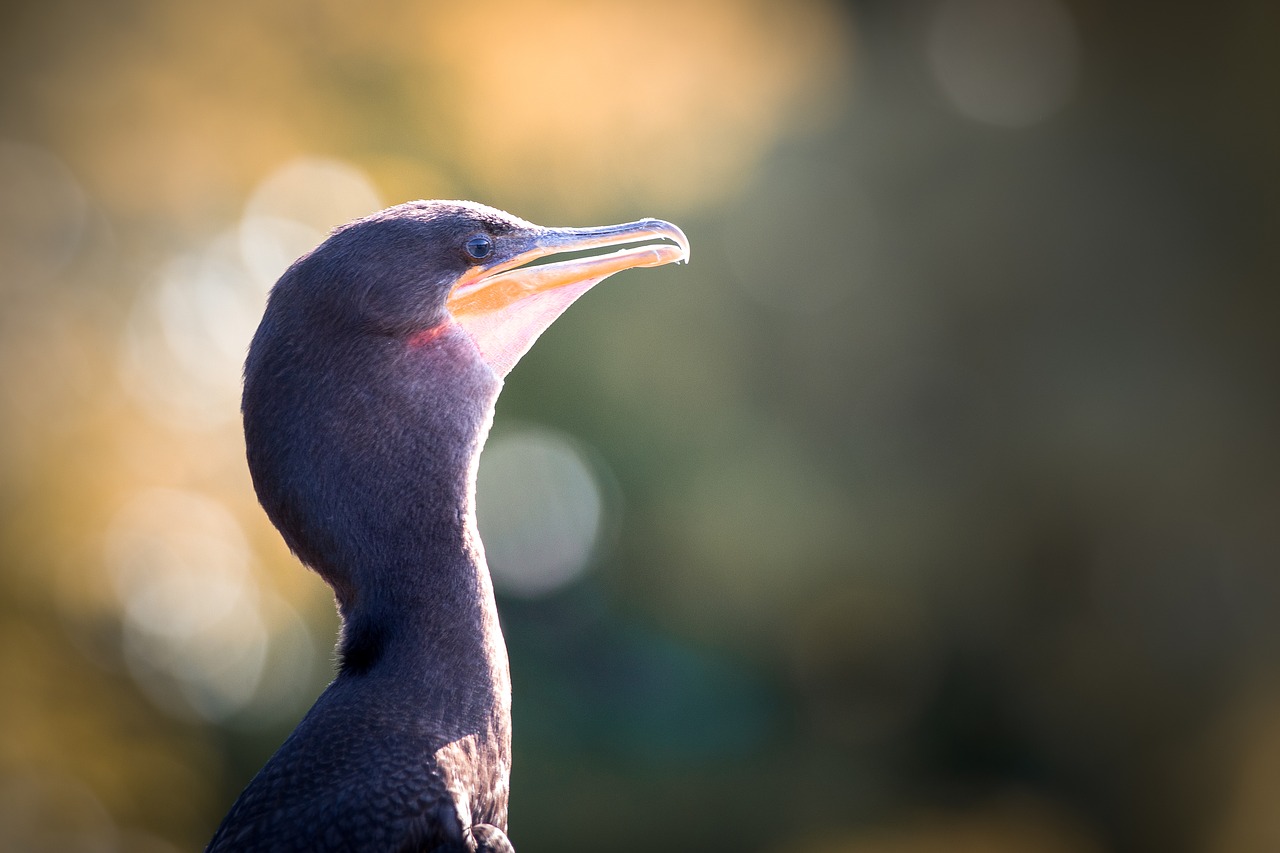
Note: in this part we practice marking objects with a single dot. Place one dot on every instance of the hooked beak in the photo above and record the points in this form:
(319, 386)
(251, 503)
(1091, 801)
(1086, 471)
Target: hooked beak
(505, 307)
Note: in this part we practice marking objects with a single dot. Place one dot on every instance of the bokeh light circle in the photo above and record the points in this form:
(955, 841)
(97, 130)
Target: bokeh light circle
(193, 634)
(293, 209)
(540, 508)
(187, 334)
(43, 214)
(1010, 63)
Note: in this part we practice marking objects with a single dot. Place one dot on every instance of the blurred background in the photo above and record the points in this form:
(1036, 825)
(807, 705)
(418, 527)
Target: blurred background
(933, 507)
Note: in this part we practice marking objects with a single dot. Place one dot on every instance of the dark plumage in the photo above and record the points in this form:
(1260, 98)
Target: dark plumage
(369, 389)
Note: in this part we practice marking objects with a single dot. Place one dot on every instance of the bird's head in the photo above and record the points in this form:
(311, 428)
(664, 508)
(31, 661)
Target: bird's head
(411, 271)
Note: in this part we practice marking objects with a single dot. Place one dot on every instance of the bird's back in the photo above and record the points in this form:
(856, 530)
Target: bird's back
(355, 776)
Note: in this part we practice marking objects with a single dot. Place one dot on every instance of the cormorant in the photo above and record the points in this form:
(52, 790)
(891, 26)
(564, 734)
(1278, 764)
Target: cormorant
(369, 389)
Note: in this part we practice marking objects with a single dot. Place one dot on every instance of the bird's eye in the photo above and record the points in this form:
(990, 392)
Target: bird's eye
(479, 247)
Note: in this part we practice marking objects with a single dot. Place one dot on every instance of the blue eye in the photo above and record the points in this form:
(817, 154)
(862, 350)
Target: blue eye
(479, 247)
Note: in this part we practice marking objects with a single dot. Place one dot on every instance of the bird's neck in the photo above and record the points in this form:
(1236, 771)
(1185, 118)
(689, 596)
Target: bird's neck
(444, 653)
(364, 454)
(422, 610)
(425, 598)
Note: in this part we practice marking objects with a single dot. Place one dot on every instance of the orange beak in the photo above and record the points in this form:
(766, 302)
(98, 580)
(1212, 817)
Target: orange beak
(506, 307)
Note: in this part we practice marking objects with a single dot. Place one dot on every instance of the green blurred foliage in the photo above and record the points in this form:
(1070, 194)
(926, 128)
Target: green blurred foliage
(944, 496)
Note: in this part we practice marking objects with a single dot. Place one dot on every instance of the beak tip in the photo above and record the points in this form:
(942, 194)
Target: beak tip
(671, 232)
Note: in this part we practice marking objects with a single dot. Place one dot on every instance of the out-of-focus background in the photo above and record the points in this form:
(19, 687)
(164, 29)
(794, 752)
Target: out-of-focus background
(934, 506)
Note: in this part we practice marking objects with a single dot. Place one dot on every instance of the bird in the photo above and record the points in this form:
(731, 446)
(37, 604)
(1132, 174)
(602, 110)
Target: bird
(369, 391)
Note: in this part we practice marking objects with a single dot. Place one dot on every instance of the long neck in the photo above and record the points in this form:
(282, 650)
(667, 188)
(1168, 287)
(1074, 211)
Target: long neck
(424, 600)
(421, 591)
(365, 459)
